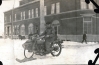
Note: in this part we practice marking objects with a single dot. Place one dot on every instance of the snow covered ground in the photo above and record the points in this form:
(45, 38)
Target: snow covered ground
(72, 53)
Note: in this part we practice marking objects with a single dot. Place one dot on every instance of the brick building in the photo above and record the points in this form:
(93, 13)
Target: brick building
(71, 18)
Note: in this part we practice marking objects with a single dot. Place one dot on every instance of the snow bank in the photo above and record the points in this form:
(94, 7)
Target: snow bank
(72, 53)
(78, 43)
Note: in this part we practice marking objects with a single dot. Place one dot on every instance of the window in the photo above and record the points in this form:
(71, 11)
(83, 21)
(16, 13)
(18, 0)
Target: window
(83, 4)
(21, 15)
(13, 29)
(53, 9)
(9, 29)
(32, 13)
(87, 19)
(45, 10)
(22, 30)
(6, 30)
(17, 30)
(87, 25)
(90, 6)
(58, 7)
(5, 19)
(36, 29)
(36, 12)
(24, 15)
(10, 18)
(30, 29)
(29, 14)
(15, 17)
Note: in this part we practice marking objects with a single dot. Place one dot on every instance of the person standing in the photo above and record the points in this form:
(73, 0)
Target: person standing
(84, 38)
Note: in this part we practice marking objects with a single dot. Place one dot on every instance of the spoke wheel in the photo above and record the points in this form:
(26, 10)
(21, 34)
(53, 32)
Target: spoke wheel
(28, 54)
(56, 49)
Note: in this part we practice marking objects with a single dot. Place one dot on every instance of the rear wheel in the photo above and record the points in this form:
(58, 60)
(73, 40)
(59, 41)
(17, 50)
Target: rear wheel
(56, 49)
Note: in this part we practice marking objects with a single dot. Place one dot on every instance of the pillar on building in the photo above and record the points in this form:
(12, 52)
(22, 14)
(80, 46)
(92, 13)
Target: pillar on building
(42, 20)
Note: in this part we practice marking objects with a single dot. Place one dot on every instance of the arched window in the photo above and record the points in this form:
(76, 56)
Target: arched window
(22, 30)
(36, 29)
(30, 29)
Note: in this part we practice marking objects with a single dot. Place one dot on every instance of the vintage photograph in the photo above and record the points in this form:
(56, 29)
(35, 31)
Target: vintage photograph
(44, 32)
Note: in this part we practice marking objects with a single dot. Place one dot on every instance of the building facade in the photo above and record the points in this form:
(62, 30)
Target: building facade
(71, 19)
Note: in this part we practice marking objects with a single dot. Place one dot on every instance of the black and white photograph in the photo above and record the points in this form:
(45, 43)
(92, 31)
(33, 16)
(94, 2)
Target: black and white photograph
(47, 32)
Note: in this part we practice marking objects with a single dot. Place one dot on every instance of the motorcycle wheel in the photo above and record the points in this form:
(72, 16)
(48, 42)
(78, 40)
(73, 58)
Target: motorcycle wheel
(56, 49)
(28, 54)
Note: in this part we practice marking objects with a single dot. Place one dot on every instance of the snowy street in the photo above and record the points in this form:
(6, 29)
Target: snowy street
(72, 53)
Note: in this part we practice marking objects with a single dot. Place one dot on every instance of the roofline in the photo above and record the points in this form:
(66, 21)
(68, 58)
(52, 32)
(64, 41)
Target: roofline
(23, 5)
(29, 3)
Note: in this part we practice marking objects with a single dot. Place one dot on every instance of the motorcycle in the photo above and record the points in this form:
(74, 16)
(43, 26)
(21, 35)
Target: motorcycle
(38, 47)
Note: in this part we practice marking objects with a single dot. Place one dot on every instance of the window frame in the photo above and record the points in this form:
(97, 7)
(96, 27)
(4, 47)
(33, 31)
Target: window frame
(10, 18)
(22, 30)
(32, 13)
(58, 7)
(15, 17)
(30, 28)
(5, 19)
(83, 4)
(23, 15)
(6, 30)
(90, 6)
(29, 14)
(53, 8)
(36, 10)
(87, 24)
(45, 10)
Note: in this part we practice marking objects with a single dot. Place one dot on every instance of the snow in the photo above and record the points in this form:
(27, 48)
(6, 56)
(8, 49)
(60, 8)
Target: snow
(6, 49)
(11, 51)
